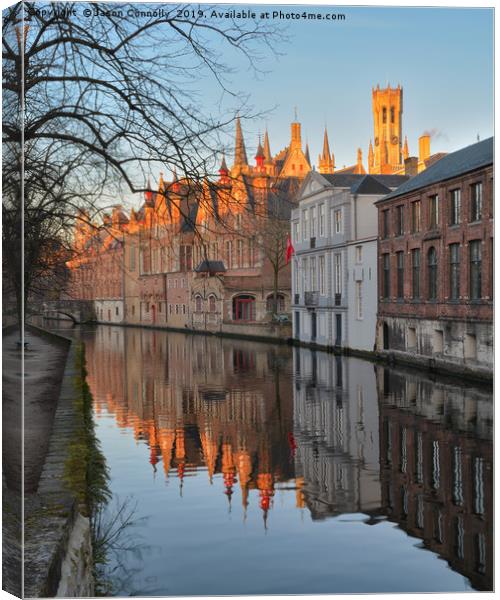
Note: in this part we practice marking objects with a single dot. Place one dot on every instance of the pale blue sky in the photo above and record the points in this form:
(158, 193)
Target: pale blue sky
(443, 58)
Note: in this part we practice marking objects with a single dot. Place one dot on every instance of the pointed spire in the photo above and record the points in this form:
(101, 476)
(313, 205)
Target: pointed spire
(308, 157)
(267, 148)
(326, 162)
(148, 196)
(406, 152)
(326, 146)
(240, 153)
(371, 157)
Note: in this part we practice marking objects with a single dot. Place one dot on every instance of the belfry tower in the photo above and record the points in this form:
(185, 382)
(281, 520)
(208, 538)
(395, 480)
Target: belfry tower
(387, 105)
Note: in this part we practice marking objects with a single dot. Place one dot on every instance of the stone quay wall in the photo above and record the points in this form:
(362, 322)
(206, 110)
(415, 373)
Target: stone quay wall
(58, 557)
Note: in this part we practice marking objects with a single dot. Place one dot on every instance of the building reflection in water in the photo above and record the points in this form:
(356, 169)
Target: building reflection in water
(201, 404)
(436, 468)
(341, 434)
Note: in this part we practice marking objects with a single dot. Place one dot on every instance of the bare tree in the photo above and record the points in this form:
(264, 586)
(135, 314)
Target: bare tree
(97, 95)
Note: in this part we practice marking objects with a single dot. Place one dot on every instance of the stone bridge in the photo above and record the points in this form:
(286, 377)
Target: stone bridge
(78, 311)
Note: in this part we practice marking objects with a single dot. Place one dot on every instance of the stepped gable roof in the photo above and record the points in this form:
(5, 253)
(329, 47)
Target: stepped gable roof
(211, 266)
(452, 165)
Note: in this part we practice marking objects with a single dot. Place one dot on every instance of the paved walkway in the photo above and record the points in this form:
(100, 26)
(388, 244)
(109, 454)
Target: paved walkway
(44, 366)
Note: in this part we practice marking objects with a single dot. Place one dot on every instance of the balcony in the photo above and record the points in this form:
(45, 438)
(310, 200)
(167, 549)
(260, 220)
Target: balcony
(311, 298)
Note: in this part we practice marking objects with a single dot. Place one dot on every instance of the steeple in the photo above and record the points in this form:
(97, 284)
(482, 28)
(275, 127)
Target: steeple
(308, 157)
(371, 158)
(406, 152)
(296, 139)
(223, 170)
(267, 148)
(359, 164)
(326, 162)
(240, 153)
(260, 156)
(148, 196)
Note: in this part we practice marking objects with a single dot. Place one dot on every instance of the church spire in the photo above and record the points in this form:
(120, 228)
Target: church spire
(267, 148)
(308, 157)
(325, 160)
(240, 153)
(406, 152)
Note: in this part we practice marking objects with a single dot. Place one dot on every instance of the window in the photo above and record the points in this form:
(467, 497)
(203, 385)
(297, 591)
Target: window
(455, 203)
(475, 269)
(305, 224)
(432, 274)
(185, 258)
(322, 275)
(211, 303)
(454, 271)
(280, 303)
(238, 222)
(239, 245)
(386, 280)
(392, 114)
(321, 220)
(400, 219)
(251, 252)
(116, 310)
(359, 300)
(476, 201)
(296, 232)
(198, 304)
(415, 273)
(338, 274)
(338, 221)
(415, 216)
(244, 308)
(400, 261)
(313, 282)
(458, 492)
(132, 258)
(313, 221)
(229, 254)
(359, 254)
(304, 274)
(385, 224)
(434, 211)
(384, 115)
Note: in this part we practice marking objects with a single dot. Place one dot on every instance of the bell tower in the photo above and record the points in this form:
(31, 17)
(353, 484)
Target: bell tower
(387, 106)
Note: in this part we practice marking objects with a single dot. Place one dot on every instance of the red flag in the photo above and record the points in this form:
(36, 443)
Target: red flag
(290, 250)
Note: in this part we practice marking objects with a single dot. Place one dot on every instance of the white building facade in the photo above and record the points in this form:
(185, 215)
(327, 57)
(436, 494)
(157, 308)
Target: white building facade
(334, 268)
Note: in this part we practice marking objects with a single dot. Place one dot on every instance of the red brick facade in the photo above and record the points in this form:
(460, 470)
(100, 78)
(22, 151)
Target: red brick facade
(438, 237)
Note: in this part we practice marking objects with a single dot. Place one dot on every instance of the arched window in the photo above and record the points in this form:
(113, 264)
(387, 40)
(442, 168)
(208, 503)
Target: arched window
(211, 303)
(384, 115)
(244, 308)
(280, 303)
(432, 273)
(392, 114)
(198, 303)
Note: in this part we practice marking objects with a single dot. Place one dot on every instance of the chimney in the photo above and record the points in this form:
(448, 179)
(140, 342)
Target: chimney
(411, 166)
(424, 147)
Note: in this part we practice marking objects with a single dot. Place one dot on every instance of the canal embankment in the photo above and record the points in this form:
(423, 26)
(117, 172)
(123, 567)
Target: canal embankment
(276, 333)
(64, 472)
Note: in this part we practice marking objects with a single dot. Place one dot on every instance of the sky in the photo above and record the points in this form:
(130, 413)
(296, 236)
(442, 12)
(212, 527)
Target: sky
(442, 57)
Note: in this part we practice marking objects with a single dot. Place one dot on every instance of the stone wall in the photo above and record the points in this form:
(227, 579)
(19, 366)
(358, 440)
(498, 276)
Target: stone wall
(58, 552)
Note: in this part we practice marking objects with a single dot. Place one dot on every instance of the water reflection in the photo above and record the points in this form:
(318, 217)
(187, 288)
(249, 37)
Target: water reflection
(262, 425)
(436, 468)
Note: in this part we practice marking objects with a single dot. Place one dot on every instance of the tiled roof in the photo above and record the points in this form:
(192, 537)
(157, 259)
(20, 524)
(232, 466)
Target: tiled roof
(452, 165)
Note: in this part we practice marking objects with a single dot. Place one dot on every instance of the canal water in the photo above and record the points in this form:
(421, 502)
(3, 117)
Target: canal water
(256, 468)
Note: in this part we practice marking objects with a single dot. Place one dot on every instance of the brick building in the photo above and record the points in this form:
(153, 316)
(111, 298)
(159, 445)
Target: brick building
(435, 254)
